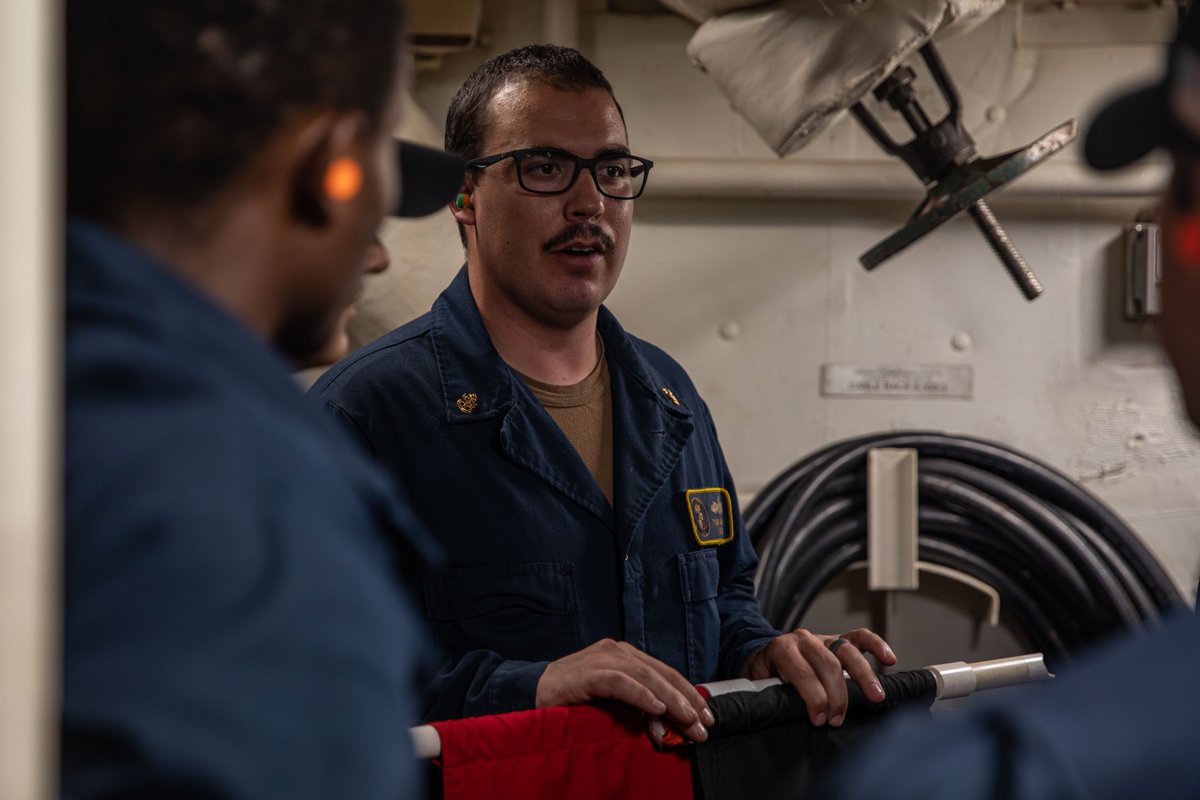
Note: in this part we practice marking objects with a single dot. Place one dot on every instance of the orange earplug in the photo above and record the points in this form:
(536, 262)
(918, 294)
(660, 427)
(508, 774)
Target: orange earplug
(462, 201)
(343, 179)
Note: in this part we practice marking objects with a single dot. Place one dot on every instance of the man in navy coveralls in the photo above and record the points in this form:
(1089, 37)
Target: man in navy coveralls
(571, 471)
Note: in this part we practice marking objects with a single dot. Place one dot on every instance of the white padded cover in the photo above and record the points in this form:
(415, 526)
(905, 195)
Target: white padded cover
(791, 67)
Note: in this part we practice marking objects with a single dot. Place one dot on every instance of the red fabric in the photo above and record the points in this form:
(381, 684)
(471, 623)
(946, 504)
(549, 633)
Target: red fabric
(577, 752)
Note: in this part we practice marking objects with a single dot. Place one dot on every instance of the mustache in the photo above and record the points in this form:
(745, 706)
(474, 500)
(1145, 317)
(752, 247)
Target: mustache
(581, 231)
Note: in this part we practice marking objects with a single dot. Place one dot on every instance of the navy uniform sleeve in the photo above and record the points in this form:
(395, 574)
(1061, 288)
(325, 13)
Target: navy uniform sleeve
(481, 682)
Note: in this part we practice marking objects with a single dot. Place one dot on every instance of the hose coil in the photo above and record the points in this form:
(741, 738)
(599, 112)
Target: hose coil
(1069, 571)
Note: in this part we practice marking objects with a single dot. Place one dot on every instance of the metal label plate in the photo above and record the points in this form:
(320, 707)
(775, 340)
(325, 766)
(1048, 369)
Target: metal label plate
(884, 380)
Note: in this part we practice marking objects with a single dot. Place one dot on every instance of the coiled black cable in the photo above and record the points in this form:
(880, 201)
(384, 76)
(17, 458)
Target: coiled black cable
(1069, 571)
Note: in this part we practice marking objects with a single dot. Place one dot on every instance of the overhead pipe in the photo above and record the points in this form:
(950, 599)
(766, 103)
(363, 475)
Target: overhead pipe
(811, 179)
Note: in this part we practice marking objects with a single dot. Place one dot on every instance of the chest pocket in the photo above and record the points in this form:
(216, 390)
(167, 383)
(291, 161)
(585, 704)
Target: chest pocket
(528, 612)
(699, 579)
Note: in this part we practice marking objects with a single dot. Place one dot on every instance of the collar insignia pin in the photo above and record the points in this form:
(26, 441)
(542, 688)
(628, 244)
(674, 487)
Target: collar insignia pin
(670, 395)
(466, 404)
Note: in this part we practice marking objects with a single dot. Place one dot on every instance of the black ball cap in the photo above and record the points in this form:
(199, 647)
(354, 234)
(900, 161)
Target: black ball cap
(1163, 114)
(429, 179)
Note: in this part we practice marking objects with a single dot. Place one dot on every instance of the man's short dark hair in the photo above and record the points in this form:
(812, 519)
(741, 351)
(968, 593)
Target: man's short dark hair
(562, 68)
(167, 100)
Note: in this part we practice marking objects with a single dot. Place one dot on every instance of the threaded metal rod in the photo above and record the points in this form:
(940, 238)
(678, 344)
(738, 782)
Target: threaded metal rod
(1005, 250)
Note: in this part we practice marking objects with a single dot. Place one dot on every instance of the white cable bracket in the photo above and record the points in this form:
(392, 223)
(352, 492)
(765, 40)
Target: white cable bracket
(892, 519)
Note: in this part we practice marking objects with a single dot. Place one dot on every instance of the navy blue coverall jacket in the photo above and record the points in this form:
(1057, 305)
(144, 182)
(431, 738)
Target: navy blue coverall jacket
(538, 563)
(235, 618)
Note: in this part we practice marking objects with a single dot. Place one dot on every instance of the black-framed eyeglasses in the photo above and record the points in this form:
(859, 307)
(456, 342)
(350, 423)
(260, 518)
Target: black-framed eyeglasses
(545, 170)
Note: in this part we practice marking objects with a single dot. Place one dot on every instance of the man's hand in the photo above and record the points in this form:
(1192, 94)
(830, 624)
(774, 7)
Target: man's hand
(617, 670)
(803, 659)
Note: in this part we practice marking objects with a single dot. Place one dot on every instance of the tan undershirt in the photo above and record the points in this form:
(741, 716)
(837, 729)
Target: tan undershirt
(584, 412)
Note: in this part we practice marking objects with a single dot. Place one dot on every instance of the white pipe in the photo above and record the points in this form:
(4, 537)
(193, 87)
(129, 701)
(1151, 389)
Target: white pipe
(31, 308)
(426, 741)
(959, 679)
(560, 22)
(812, 179)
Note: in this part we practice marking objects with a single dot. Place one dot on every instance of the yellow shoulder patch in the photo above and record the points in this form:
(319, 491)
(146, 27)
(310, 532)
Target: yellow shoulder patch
(711, 513)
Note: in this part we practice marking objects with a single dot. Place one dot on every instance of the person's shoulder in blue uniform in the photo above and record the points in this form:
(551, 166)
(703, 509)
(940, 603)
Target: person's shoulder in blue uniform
(1122, 725)
(228, 559)
(400, 354)
(397, 372)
